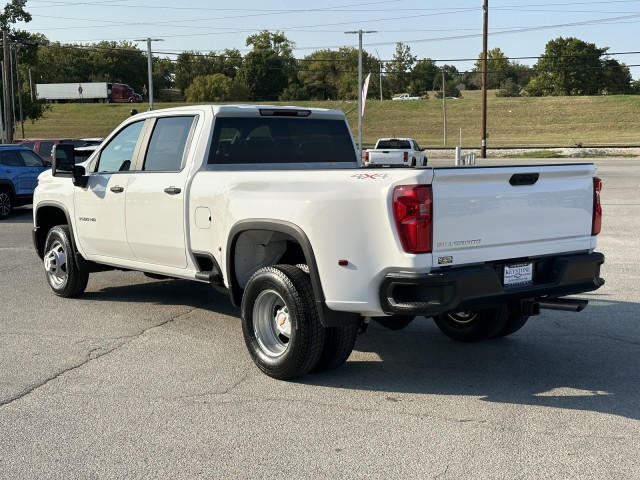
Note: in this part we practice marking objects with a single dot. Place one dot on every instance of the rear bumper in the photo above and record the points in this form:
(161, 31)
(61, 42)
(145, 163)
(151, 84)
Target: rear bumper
(481, 286)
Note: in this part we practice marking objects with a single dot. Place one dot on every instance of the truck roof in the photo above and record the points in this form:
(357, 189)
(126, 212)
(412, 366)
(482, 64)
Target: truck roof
(260, 110)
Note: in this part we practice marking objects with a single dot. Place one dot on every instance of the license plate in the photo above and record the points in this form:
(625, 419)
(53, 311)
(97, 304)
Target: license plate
(520, 274)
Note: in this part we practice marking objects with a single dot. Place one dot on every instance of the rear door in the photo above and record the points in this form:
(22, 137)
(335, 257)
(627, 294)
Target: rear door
(484, 214)
(156, 194)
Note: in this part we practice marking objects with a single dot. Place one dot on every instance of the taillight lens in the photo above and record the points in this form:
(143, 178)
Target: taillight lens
(406, 156)
(596, 224)
(366, 156)
(413, 214)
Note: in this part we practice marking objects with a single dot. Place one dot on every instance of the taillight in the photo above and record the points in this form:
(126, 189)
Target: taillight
(406, 156)
(413, 214)
(597, 207)
(366, 156)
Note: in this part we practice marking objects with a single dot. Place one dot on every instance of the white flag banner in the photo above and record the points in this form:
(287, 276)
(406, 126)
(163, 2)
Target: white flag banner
(365, 87)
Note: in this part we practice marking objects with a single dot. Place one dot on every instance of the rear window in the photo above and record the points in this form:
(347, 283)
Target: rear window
(394, 144)
(280, 140)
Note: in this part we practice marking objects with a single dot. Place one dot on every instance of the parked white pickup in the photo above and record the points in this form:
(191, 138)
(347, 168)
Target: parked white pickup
(405, 96)
(395, 152)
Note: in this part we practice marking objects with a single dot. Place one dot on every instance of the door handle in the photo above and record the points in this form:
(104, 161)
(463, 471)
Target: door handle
(172, 190)
(117, 189)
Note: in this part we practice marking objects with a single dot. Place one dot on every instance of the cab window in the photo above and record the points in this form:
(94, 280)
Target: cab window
(168, 143)
(118, 154)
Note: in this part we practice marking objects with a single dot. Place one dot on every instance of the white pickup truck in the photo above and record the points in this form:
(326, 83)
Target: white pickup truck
(395, 152)
(270, 204)
(405, 96)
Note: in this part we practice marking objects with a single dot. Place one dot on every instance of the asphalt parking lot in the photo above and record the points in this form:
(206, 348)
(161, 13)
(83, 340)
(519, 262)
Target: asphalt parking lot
(143, 378)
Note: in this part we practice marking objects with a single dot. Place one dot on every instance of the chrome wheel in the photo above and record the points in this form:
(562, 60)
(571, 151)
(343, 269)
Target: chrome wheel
(280, 322)
(473, 325)
(271, 323)
(60, 267)
(463, 318)
(55, 265)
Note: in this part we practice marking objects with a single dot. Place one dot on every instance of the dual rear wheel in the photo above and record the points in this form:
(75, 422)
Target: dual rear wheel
(282, 328)
(470, 325)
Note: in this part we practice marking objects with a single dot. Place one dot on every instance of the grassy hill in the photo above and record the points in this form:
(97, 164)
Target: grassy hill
(511, 122)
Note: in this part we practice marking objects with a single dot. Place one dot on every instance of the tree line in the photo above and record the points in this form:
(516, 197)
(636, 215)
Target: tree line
(270, 72)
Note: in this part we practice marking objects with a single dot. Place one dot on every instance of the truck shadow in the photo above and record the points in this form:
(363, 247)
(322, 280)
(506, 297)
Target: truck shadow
(164, 292)
(586, 361)
(557, 360)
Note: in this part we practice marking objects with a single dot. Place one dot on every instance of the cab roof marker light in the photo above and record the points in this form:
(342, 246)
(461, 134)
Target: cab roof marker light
(271, 112)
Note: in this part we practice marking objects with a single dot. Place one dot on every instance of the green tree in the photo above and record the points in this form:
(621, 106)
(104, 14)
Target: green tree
(191, 64)
(320, 74)
(121, 62)
(499, 69)
(348, 82)
(616, 78)
(216, 88)
(399, 68)
(269, 67)
(423, 77)
(14, 12)
(509, 88)
(569, 66)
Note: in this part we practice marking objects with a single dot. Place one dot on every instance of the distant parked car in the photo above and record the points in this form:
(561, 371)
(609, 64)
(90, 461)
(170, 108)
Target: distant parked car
(43, 146)
(19, 170)
(84, 152)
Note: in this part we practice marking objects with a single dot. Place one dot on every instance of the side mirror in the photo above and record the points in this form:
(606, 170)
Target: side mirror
(64, 164)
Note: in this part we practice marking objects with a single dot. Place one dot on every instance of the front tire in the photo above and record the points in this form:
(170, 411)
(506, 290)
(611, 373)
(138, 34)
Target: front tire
(6, 203)
(63, 275)
(280, 322)
(473, 325)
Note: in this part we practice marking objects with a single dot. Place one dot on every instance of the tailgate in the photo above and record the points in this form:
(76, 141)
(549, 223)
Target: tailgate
(387, 157)
(483, 214)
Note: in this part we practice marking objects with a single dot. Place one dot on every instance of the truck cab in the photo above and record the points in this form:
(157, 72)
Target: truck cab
(122, 93)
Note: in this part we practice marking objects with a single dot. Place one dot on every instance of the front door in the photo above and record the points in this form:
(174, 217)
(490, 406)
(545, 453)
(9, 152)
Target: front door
(100, 207)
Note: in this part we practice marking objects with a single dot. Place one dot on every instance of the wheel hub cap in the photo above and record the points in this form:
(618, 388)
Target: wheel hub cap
(55, 262)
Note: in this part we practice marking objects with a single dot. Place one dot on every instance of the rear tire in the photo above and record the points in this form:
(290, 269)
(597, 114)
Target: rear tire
(6, 203)
(280, 322)
(338, 345)
(515, 322)
(474, 325)
(63, 275)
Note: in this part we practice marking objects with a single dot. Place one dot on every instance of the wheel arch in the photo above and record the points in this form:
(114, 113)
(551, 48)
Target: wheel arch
(9, 185)
(46, 216)
(295, 238)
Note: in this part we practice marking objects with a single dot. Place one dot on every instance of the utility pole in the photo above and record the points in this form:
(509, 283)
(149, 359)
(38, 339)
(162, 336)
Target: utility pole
(8, 91)
(150, 65)
(485, 22)
(444, 108)
(380, 73)
(360, 32)
(21, 110)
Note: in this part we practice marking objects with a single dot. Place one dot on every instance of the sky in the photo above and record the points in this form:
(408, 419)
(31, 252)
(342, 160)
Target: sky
(447, 32)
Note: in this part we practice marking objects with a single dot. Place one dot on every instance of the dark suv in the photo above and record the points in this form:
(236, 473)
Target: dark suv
(19, 170)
